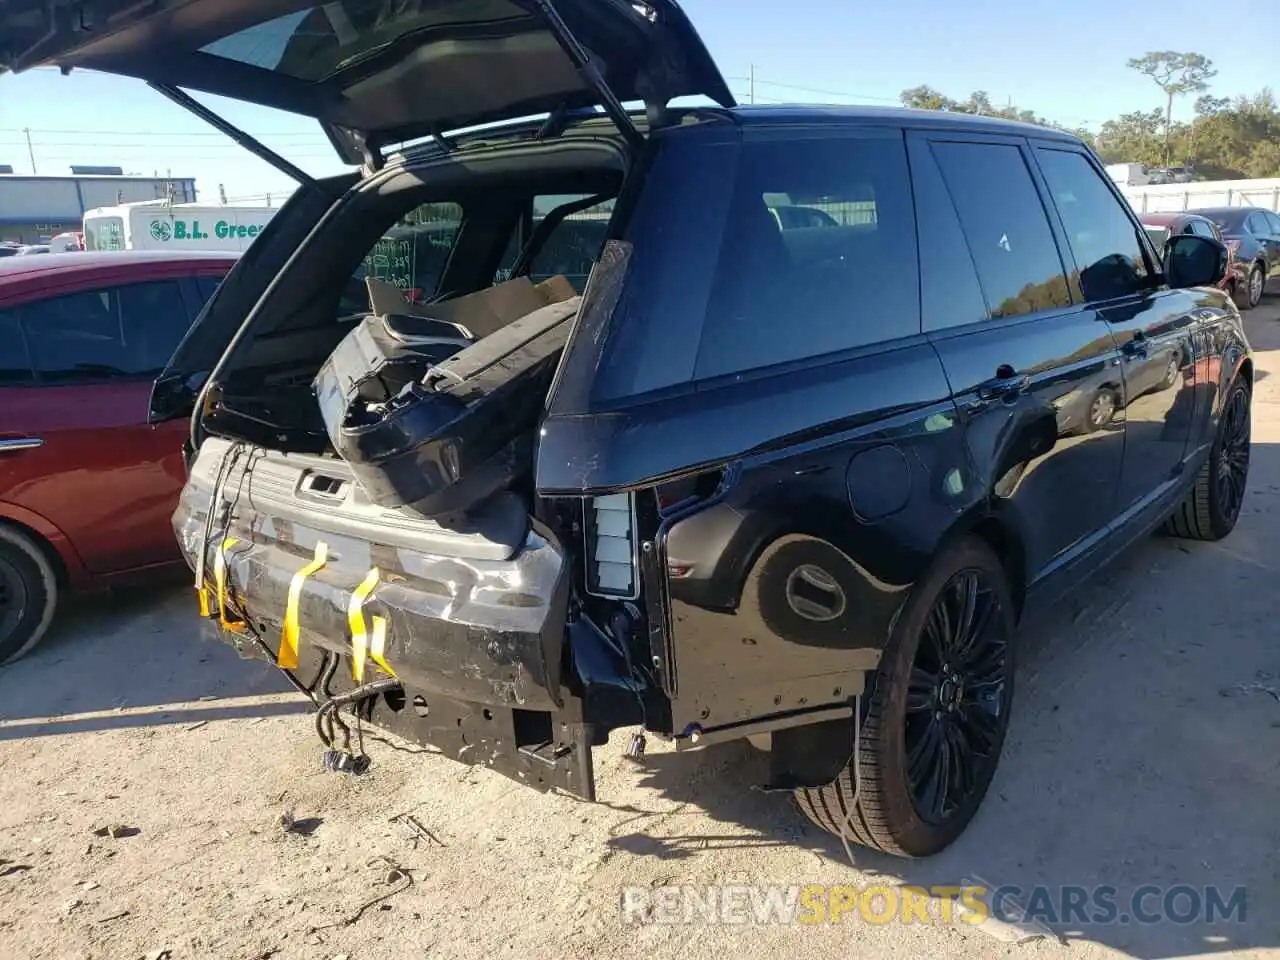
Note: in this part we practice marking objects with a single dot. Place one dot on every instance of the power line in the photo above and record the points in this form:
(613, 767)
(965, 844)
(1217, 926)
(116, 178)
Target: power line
(826, 93)
(153, 133)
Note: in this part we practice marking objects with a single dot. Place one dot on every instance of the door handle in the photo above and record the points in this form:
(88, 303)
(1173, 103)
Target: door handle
(1136, 349)
(1006, 385)
(20, 443)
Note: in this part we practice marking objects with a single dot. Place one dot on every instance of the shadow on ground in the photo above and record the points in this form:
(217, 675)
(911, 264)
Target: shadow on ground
(1143, 751)
(130, 649)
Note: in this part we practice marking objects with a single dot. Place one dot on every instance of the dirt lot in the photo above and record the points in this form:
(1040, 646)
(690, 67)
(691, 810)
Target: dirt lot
(1145, 750)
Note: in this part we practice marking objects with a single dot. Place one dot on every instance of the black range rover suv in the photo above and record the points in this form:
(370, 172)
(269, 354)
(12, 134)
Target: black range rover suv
(789, 479)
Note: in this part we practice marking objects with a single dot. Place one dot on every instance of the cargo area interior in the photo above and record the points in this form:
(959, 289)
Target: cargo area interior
(421, 237)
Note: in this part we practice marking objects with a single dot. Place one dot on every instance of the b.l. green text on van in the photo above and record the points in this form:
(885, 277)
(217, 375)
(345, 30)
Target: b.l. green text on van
(159, 225)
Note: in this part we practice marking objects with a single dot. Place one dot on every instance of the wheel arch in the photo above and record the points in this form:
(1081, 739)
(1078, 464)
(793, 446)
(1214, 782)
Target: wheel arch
(52, 542)
(1001, 532)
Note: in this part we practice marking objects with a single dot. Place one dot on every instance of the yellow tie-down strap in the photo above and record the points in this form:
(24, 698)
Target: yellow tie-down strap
(287, 657)
(363, 648)
(220, 589)
(378, 650)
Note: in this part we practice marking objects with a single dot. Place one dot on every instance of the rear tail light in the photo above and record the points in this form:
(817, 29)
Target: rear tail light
(610, 546)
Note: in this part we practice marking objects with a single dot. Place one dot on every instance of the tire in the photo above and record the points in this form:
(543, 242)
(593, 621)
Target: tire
(1254, 285)
(1170, 373)
(1106, 395)
(1212, 505)
(28, 594)
(886, 814)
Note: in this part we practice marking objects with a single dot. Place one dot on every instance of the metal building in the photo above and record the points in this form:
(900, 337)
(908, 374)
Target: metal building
(33, 209)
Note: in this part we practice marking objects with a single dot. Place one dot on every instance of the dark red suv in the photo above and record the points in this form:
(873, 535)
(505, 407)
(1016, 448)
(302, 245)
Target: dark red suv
(87, 485)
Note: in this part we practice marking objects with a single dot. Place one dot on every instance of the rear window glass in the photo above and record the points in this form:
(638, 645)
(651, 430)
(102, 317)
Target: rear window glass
(747, 256)
(317, 42)
(104, 233)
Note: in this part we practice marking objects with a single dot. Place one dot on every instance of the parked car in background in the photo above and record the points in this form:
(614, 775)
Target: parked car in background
(29, 249)
(70, 242)
(1253, 237)
(1160, 227)
(87, 484)
(9, 249)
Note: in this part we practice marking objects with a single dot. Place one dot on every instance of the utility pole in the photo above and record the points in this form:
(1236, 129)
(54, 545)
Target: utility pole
(30, 150)
(222, 194)
(751, 80)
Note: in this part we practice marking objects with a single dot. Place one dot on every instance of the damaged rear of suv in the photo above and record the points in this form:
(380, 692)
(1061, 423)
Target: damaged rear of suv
(555, 427)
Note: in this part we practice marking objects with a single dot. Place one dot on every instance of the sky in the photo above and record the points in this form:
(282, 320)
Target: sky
(1063, 60)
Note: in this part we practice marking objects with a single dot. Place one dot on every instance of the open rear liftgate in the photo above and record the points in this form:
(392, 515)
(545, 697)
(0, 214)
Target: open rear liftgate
(542, 740)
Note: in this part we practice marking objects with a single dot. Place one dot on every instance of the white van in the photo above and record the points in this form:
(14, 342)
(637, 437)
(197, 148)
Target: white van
(160, 225)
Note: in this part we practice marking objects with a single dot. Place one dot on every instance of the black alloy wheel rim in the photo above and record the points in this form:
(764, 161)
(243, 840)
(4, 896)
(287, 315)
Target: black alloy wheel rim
(957, 699)
(1233, 456)
(13, 598)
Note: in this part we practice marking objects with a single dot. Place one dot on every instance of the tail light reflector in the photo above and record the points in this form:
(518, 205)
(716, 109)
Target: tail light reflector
(610, 546)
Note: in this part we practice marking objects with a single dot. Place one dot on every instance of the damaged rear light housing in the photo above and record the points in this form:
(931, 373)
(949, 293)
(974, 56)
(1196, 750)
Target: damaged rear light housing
(610, 547)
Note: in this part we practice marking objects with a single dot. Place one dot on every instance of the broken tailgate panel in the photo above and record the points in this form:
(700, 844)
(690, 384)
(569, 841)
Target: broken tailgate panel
(387, 72)
(475, 614)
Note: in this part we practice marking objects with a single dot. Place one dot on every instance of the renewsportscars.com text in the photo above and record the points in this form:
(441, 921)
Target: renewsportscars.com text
(825, 903)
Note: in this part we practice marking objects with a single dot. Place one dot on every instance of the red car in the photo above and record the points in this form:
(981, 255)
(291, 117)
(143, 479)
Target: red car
(87, 485)
(1161, 226)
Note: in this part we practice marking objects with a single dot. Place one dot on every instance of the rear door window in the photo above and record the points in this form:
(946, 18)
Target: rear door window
(412, 255)
(153, 320)
(950, 294)
(206, 286)
(571, 248)
(1102, 237)
(1005, 225)
(15, 364)
(116, 333)
(1257, 225)
(721, 283)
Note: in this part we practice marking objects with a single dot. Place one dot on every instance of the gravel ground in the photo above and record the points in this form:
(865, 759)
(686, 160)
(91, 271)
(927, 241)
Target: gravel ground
(1145, 749)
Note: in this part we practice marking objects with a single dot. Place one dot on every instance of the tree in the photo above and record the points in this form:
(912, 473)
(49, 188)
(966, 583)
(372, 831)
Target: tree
(924, 97)
(1176, 74)
(1230, 138)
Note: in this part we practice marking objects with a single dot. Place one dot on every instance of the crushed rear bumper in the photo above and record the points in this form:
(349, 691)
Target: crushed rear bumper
(472, 622)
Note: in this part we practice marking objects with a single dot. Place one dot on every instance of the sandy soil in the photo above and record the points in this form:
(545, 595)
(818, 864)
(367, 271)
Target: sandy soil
(1145, 749)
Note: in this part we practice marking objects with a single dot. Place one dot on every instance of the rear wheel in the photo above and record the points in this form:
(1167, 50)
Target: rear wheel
(28, 594)
(1251, 296)
(936, 716)
(1212, 505)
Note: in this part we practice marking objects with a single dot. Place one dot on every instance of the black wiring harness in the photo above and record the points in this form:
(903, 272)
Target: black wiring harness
(328, 721)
